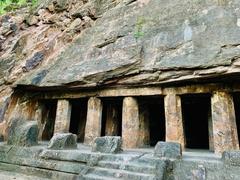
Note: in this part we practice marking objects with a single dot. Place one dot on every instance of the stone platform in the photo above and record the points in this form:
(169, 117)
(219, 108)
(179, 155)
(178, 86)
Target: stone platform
(140, 164)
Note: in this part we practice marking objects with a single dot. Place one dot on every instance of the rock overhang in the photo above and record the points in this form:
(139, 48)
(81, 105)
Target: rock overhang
(149, 42)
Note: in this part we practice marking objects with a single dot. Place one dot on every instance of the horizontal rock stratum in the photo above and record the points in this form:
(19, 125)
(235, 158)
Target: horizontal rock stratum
(148, 42)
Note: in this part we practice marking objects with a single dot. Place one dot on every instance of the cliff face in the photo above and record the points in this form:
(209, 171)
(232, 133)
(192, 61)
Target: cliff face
(30, 39)
(149, 42)
(118, 42)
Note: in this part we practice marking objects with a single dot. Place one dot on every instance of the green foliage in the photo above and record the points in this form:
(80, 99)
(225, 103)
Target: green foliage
(138, 28)
(11, 5)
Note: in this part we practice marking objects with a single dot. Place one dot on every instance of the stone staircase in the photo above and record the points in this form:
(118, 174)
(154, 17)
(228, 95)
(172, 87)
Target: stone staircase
(122, 168)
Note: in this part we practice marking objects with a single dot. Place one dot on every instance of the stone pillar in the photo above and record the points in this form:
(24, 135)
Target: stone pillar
(224, 123)
(63, 115)
(174, 121)
(94, 120)
(130, 123)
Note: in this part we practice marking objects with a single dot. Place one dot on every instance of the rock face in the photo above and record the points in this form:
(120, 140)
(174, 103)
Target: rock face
(23, 133)
(168, 150)
(107, 144)
(63, 141)
(147, 43)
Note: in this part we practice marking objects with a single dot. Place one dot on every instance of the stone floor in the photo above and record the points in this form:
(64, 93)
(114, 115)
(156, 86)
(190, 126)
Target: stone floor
(129, 163)
(6, 175)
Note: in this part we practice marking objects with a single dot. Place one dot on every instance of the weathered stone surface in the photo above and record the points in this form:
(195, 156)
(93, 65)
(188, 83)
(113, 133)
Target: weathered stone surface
(224, 122)
(168, 150)
(34, 61)
(199, 174)
(31, 20)
(113, 119)
(63, 141)
(23, 133)
(94, 120)
(63, 115)
(3, 108)
(174, 121)
(152, 42)
(231, 157)
(130, 123)
(107, 144)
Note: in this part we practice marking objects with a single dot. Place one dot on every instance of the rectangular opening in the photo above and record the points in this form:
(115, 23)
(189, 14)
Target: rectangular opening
(78, 118)
(48, 116)
(152, 119)
(196, 111)
(112, 116)
(236, 100)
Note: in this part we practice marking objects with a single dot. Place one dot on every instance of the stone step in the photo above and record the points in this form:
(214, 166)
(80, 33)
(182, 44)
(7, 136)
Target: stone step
(129, 166)
(120, 157)
(119, 174)
(96, 177)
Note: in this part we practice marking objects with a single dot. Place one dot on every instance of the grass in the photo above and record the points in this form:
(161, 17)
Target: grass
(138, 28)
(12, 5)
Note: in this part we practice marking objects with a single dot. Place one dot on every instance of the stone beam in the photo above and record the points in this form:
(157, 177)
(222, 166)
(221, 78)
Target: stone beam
(94, 120)
(130, 123)
(224, 122)
(63, 115)
(174, 121)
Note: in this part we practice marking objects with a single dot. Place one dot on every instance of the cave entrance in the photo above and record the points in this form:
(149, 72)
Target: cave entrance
(152, 119)
(48, 116)
(236, 100)
(78, 118)
(196, 111)
(112, 116)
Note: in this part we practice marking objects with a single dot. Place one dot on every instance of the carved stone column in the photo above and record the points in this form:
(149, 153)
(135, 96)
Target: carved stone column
(224, 122)
(63, 115)
(94, 120)
(130, 123)
(174, 121)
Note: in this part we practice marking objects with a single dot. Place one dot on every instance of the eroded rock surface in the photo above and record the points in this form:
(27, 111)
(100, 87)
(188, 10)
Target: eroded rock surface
(149, 42)
(107, 144)
(63, 141)
(23, 133)
(168, 150)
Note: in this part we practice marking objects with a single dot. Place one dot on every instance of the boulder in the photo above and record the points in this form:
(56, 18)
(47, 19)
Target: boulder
(168, 150)
(63, 141)
(23, 133)
(107, 144)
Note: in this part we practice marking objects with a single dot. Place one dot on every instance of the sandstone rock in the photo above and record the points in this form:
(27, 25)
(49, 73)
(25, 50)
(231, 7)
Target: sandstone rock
(231, 157)
(31, 20)
(34, 61)
(3, 108)
(63, 141)
(168, 150)
(107, 144)
(75, 26)
(170, 40)
(23, 133)
(199, 174)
